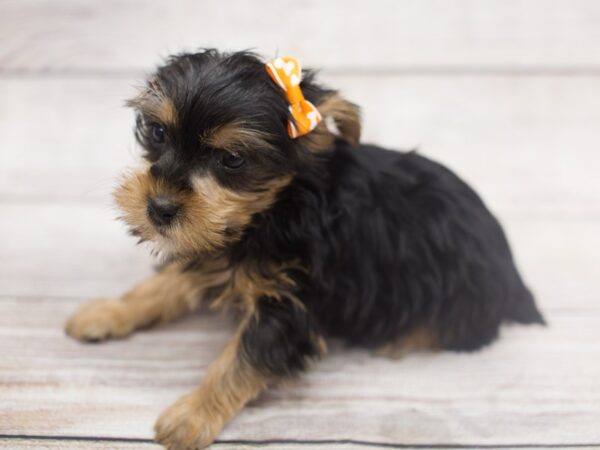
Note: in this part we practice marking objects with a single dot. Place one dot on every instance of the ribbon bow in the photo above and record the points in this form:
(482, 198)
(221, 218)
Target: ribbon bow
(287, 74)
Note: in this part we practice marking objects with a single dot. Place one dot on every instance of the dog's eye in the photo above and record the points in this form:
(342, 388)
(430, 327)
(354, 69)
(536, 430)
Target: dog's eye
(158, 133)
(232, 161)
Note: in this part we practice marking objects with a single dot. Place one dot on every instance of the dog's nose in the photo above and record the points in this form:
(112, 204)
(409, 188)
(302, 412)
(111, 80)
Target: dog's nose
(162, 210)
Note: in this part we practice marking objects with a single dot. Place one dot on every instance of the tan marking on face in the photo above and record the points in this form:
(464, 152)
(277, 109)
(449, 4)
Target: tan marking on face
(131, 197)
(215, 215)
(235, 135)
(211, 217)
(155, 104)
(167, 113)
(236, 208)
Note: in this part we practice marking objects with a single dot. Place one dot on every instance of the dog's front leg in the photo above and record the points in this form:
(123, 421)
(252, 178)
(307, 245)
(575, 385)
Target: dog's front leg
(274, 342)
(170, 293)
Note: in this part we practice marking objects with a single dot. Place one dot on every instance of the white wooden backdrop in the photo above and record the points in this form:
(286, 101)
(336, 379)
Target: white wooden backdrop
(505, 92)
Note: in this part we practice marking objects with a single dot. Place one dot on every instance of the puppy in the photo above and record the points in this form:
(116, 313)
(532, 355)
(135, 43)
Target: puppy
(261, 199)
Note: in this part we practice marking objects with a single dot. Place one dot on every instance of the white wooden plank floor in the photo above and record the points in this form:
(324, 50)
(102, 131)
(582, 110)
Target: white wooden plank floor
(506, 92)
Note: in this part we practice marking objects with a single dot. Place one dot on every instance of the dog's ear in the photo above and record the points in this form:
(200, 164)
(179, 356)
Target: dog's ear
(345, 115)
(341, 118)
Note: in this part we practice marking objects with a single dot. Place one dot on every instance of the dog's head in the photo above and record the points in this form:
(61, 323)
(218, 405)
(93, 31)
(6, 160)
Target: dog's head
(213, 128)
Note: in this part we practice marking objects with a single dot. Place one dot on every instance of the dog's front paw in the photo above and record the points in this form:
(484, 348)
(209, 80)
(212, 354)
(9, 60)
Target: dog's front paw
(99, 320)
(186, 425)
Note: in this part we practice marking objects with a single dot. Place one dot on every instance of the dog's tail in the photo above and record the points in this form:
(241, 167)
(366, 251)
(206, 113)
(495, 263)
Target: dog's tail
(522, 308)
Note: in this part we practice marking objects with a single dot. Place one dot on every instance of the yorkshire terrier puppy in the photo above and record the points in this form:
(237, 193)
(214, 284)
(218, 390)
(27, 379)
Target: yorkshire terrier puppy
(260, 206)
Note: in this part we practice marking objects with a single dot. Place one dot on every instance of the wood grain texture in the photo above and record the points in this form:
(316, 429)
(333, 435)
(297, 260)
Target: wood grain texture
(37, 444)
(59, 444)
(514, 392)
(529, 145)
(66, 249)
(380, 35)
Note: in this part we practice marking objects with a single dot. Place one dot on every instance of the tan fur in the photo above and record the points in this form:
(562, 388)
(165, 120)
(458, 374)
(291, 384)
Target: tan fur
(420, 339)
(162, 298)
(175, 291)
(346, 116)
(167, 112)
(212, 216)
(100, 320)
(154, 104)
(247, 284)
(218, 208)
(230, 382)
(195, 420)
(234, 136)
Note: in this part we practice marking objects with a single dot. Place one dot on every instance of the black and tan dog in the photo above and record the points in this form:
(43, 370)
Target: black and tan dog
(304, 232)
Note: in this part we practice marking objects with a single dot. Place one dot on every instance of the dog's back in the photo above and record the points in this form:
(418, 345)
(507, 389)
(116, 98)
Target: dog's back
(400, 245)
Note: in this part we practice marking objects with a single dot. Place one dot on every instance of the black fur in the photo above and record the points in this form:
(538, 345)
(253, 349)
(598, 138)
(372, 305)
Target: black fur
(210, 89)
(394, 241)
(280, 338)
(389, 241)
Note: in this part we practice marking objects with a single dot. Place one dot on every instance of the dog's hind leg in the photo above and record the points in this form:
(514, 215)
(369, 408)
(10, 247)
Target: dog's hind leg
(164, 297)
(419, 339)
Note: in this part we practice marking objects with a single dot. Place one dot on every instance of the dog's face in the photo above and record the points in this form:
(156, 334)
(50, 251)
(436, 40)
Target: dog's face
(216, 149)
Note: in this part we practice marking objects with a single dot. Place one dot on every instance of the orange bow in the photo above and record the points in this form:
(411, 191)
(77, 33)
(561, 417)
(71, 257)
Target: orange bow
(286, 72)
